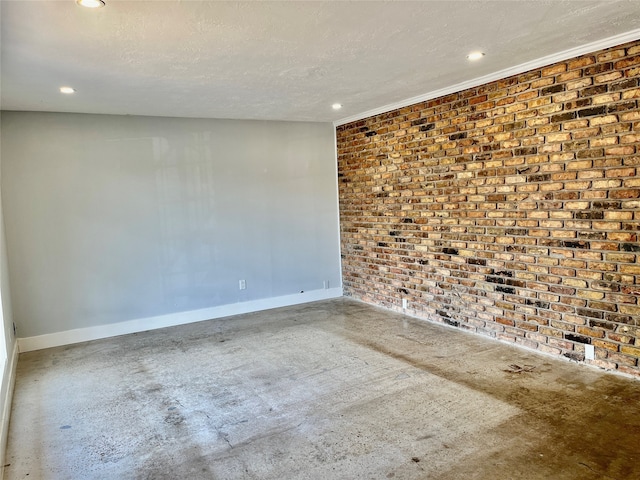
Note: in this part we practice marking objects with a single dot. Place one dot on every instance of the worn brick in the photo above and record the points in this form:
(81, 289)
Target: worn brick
(511, 209)
(609, 55)
(608, 77)
(629, 350)
(623, 150)
(590, 112)
(627, 62)
(604, 120)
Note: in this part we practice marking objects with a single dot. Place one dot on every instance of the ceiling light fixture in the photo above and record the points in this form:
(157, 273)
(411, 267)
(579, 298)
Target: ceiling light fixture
(336, 106)
(91, 3)
(67, 90)
(475, 56)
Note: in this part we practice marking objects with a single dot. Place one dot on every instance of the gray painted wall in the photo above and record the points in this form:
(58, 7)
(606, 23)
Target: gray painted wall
(5, 291)
(114, 218)
(7, 367)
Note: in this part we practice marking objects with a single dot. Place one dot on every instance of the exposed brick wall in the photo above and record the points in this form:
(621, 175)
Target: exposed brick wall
(511, 209)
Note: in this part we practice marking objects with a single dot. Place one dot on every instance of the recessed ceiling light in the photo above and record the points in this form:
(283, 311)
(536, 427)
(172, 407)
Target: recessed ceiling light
(336, 106)
(90, 3)
(67, 90)
(475, 55)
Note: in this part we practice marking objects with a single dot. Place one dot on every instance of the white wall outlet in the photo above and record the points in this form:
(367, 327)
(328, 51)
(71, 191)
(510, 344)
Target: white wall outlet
(242, 284)
(325, 284)
(404, 303)
(589, 352)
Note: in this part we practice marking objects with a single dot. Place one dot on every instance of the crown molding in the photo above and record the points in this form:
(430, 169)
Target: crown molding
(507, 72)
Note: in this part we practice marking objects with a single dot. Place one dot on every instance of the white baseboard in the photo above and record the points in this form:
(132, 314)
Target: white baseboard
(78, 335)
(6, 396)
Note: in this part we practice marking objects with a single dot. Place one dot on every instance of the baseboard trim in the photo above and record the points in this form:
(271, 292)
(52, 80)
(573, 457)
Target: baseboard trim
(8, 383)
(78, 335)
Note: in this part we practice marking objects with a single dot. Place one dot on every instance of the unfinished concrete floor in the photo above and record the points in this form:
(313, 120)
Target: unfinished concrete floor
(330, 390)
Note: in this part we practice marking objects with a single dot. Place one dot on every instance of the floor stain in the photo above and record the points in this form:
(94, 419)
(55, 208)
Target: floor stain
(307, 391)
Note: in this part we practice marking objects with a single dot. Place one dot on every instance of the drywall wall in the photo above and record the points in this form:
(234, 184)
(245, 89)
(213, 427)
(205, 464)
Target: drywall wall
(511, 209)
(5, 291)
(8, 350)
(117, 218)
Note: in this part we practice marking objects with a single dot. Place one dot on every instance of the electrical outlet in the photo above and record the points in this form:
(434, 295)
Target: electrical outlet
(242, 284)
(589, 352)
(325, 284)
(404, 303)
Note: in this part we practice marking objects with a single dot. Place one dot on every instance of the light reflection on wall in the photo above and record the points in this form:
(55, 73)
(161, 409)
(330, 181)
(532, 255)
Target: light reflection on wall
(115, 218)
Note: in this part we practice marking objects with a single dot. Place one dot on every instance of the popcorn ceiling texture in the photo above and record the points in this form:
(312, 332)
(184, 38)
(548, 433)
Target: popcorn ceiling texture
(277, 60)
(511, 209)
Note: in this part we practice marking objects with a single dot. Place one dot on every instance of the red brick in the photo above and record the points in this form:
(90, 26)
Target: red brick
(521, 212)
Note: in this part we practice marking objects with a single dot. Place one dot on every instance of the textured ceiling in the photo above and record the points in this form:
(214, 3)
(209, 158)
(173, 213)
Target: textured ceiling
(276, 60)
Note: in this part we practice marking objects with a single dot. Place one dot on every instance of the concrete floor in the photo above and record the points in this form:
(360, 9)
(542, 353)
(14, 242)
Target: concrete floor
(330, 390)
